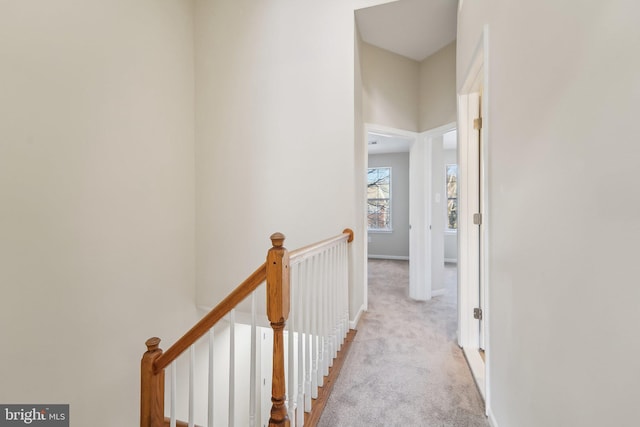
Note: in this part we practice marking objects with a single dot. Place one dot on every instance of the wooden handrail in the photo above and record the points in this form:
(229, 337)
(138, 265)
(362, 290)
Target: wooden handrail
(299, 255)
(207, 322)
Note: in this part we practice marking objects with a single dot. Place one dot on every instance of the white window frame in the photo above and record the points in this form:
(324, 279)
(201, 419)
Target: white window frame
(389, 229)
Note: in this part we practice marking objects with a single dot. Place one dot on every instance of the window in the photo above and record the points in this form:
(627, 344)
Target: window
(379, 199)
(452, 197)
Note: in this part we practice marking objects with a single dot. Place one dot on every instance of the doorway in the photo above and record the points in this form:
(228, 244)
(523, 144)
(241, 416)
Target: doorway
(419, 212)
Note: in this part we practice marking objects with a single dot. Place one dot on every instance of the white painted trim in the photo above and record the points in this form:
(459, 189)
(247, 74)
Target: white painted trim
(393, 257)
(451, 260)
(467, 232)
(440, 130)
(390, 229)
(353, 324)
(477, 76)
(438, 292)
(420, 220)
(487, 208)
(371, 127)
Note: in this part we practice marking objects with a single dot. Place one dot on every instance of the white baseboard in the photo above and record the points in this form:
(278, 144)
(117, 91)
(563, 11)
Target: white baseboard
(401, 258)
(438, 292)
(451, 260)
(353, 324)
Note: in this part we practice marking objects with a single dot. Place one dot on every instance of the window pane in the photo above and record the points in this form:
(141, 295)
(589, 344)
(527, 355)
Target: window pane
(452, 214)
(378, 197)
(452, 197)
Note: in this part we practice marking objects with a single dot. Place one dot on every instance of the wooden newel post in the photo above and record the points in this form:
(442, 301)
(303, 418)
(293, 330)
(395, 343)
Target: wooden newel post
(152, 387)
(278, 312)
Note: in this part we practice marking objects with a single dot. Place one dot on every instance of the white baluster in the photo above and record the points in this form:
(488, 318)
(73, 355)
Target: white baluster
(291, 396)
(300, 327)
(314, 328)
(325, 316)
(211, 388)
(345, 288)
(252, 374)
(307, 331)
(331, 307)
(192, 375)
(232, 364)
(339, 284)
(174, 386)
(334, 301)
(320, 327)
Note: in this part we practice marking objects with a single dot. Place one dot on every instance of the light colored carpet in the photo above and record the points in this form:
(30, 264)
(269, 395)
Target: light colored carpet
(404, 367)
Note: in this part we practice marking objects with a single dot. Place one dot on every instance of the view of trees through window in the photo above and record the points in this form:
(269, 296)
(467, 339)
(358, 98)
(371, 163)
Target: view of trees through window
(379, 198)
(452, 197)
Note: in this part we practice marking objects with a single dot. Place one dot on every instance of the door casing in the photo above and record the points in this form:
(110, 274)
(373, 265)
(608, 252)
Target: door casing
(473, 248)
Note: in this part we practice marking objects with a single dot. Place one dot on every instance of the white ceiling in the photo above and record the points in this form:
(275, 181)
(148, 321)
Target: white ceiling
(380, 143)
(412, 28)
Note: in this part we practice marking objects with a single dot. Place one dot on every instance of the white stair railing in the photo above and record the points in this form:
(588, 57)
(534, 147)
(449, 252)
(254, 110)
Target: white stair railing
(316, 277)
(318, 323)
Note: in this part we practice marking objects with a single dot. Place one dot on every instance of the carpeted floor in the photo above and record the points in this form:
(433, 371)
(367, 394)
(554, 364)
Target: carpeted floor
(404, 367)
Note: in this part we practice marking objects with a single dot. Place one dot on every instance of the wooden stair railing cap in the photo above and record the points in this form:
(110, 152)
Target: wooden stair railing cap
(152, 344)
(277, 240)
(350, 233)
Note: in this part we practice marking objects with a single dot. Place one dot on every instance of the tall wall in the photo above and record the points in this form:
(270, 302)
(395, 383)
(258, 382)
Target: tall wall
(405, 94)
(562, 140)
(391, 88)
(97, 198)
(394, 243)
(438, 104)
(274, 134)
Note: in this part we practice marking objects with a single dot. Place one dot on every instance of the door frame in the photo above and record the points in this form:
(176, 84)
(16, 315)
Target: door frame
(413, 138)
(422, 169)
(473, 269)
(420, 205)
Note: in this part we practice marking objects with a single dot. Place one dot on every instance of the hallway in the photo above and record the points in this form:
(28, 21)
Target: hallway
(404, 366)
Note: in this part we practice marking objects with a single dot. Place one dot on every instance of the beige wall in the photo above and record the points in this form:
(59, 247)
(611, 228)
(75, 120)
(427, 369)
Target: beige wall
(437, 106)
(274, 134)
(405, 94)
(390, 84)
(96, 196)
(563, 158)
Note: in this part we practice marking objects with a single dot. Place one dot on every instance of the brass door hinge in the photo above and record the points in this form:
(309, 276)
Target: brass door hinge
(477, 123)
(477, 218)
